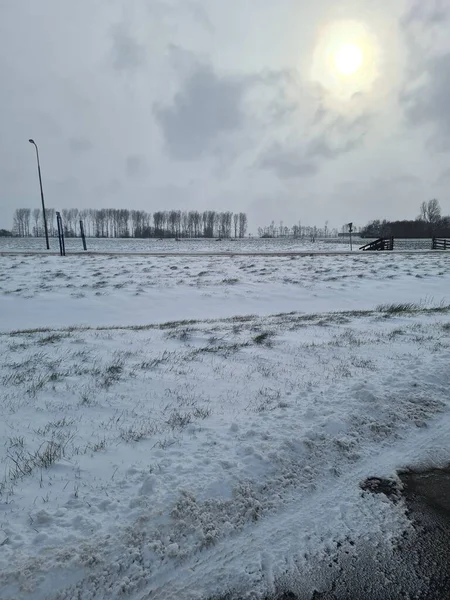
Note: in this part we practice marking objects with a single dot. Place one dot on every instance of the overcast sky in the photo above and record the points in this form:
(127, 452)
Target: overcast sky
(228, 105)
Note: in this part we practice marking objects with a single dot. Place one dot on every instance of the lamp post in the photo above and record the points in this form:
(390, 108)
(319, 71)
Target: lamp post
(42, 193)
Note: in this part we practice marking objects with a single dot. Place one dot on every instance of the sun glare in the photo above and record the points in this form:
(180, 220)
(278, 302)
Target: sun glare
(346, 59)
(349, 59)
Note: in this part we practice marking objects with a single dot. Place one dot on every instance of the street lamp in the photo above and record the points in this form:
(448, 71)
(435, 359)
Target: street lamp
(42, 193)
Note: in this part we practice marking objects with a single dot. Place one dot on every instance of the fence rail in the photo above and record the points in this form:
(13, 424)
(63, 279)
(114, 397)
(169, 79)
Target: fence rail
(380, 244)
(441, 244)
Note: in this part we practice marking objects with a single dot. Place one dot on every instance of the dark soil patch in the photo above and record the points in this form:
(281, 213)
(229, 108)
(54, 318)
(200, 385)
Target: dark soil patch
(418, 567)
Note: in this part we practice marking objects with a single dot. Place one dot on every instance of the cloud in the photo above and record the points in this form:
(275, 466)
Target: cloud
(287, 163)
(444, 177)
(134, 166)
(200, 13)
(326, 137)
(258, 110)
(109, 188)
(424, 96)
(428, 104)
(203, 111)
(428, 13)
(339, 135)
(79, 146)
(323, 146)
(127, 53)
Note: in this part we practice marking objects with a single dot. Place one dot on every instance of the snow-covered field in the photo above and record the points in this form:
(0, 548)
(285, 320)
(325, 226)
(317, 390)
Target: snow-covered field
(37, 291)
(173, 246)
(223, 450)
(246, 245)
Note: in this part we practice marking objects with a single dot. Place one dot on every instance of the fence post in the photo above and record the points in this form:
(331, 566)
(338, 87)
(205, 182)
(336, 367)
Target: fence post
(83, 237)
(62, 246)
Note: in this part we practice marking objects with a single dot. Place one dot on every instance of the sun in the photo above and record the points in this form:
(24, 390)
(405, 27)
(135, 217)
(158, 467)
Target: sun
(349, 59)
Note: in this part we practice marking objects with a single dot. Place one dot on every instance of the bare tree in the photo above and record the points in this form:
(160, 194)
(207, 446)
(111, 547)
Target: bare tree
(423, 212)
(20, 224)
(50, 213)
(197, 223)
(36, 217)
(65, 212)
(430, 211)
(173, 221)
(236, 224)
(242, 224)
(185, 225)
(433, 211)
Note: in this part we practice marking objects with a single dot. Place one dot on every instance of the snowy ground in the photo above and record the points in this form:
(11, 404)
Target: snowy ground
(186, 245)
(248, 245)
(186, 459)
(37, 291)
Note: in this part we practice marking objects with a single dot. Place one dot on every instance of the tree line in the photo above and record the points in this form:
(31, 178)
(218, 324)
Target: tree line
(429, 223)
(124, 223)
(296, 231)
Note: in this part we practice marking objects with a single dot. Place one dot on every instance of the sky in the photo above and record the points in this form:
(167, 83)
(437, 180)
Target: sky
(289, 110)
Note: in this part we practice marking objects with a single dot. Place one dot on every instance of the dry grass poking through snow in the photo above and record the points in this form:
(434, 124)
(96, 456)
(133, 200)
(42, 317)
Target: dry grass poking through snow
(187, 433)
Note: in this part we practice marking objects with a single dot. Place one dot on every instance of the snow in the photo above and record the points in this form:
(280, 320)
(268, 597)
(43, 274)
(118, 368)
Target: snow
(200, 245)
(182, 460)
(118, 245)
(39, 291)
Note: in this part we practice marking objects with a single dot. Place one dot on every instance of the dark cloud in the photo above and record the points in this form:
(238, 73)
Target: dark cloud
(444, 177)
(59, 190)
(426, 12)
(424, 96)
(322, 146)
(327, 137)
(206, 108)
(127, 53)
(109, 188)
(79, 146)
(428, 104)
(200, 13)
(134, 166)
(338, 135)
(287, 163)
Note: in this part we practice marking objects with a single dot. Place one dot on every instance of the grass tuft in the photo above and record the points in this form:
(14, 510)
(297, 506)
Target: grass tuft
(263, 338)
(51, 339)
(405, 307)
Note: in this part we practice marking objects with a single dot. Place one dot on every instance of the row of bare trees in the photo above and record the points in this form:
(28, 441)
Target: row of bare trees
(29, 222)
(296, 231)
(123, 223)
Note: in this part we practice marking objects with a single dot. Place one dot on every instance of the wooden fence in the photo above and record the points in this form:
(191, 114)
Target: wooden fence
(441, 244)
(380, 244)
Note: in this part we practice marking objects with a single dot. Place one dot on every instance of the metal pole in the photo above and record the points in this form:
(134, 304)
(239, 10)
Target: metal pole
(42, 193)
(62, 246)
(83, 237)
(63, 243)
(58, 223)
